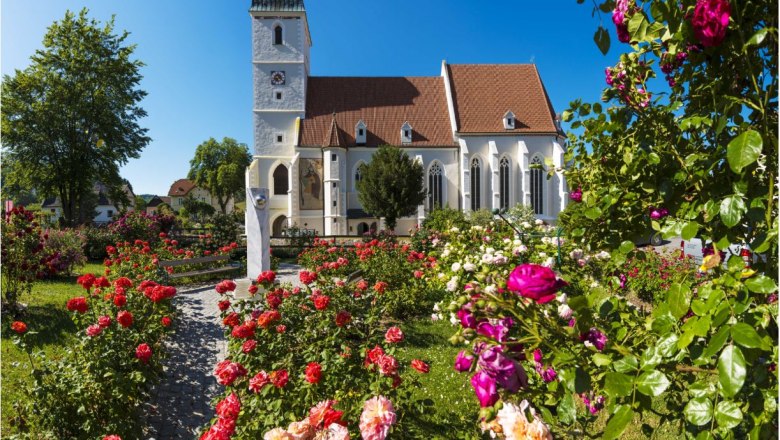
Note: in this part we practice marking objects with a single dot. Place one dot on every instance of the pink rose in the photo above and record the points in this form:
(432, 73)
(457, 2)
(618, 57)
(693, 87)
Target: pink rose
(710, 20)
(394, 335)
(463, 362)
(485, 388)
(94, 330)
(536, 282)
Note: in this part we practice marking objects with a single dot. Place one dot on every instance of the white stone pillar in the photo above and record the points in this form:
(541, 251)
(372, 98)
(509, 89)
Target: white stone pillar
(525, 175)
(465, 175)
(293, 195)
(495, 184)
(558, 162)
(258, 243)
(421, 208)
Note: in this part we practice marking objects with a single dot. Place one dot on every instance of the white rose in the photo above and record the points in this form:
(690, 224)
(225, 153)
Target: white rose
(452, 284)
(549, 262)
(562, 298)
(564, 311)
(455, 267)
(469, 267)
(491, 289)
(526, 225)
(542, 254)
(436, 307)
(499, 259)
(539, 222)
(454, 229)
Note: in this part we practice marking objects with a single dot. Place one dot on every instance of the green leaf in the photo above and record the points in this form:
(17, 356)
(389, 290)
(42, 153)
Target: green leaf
(743, 150)
(731, 370)
(690, 230)
(756, 39)
(601, 359)
(626, 364)
(617, 384)
(626, 247)
(761, 284)
(679, 298)
(637, 27)
(698, 411)
(618, 422)
(667, 346)
(716, 343)
(601, 37)
(732, 208)
(654, 158)
(652, 383)
(567, 411)
(746, 335)
(727, 414)
(593, 213)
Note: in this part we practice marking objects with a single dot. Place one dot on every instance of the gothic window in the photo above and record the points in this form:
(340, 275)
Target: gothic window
(279, 226)
(277, 34)
(280, 180)
(435, 196)
(503, 178)
(476, 187)
(358, 174)
(537, 186)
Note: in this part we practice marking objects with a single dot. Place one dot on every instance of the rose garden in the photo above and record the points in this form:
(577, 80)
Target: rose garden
(484, 326)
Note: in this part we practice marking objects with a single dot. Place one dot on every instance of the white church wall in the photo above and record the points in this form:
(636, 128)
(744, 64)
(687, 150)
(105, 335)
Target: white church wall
(263, 48)
(292, 91)
(267, 126)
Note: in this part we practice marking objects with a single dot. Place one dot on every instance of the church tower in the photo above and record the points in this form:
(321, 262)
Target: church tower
(280, 61)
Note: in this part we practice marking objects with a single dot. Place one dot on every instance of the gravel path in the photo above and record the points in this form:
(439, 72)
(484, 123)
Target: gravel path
(180, 404)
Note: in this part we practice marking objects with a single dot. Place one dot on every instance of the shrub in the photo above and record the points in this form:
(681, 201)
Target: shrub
(482, 217)
(96, 241)
(66, 250)
(138, 225)
(520, 214)
(444, 219)
(649, 274)
(23, 255)
(224, 228)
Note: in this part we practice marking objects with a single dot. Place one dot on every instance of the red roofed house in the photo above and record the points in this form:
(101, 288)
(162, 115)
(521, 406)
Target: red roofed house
(476, 129)
(184, 188)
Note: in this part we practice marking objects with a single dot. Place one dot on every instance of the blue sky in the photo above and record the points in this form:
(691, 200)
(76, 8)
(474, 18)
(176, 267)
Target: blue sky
(198, 64)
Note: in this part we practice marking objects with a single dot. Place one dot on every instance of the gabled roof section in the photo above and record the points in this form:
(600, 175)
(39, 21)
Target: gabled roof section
(276, 5)
(334, 138)
(482, 93)
(383, 103)
(181, 188)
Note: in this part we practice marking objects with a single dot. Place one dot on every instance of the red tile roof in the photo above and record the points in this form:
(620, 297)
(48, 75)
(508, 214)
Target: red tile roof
(384, 104)
(483, 93)
(181, 188)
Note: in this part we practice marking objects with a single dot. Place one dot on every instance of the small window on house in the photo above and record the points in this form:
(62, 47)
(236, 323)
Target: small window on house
(277, 34)
(406, 133)
(333, 157)
(334, 203)
(360, 132)
(110, 213)
(278, 96)
(334, 184)
(279, 138)
(509, 121)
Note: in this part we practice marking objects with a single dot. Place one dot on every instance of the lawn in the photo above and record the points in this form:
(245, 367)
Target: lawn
(45, 314)
(454, 408)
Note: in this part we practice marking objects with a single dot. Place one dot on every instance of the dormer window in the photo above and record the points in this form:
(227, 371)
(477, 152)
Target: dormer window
(278, 34)
(509, 121)
(360, 132)
(406, 133)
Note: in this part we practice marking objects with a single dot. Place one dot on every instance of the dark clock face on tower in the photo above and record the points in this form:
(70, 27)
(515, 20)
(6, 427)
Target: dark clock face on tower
(277, 77)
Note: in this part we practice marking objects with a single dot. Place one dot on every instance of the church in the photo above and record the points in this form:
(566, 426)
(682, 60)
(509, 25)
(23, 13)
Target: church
(477, 130)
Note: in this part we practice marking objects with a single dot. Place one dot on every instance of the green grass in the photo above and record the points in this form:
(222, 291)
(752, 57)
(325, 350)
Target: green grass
(45, 314)
(453, 413)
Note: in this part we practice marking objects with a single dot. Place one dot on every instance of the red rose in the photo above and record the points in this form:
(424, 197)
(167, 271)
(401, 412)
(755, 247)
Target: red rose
(78, 304)
(307, 277)
(120, 300)
(536, 282)
(124, 318)
(227, 372)
(362, 284)
(260, 380)
(373, 355)
(253, 289)
(94, 330)
(165, 321)
(19, 327)
(266, 277)
(248, 346)
(343, 318)
(394, 335)
(143, 352)
(112, 437)
(710, 21)
(229, 407)
(420, 366)
(279, 378)
(380, 286)
(267, 318)
(86, 280)
(244, 331)
(102, 282)
(104, 321)
(388, 365)
(321, 302)
(224, 305)
(232, 319)
(273, 300)
(281, 328)
(313, 372)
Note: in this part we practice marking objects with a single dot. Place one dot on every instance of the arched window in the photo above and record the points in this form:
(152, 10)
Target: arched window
(358, 174)
(277, 34)
(476, 186)
(435, 196)
(280, 224)
(281, 184)
(537, 186)
(503, 180)
(362, 228)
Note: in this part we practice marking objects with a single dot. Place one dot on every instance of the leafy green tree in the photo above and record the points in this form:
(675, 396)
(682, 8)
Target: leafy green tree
(219, 168)
(140, 203)
(197, 210)
(71, 118)
(391, 185)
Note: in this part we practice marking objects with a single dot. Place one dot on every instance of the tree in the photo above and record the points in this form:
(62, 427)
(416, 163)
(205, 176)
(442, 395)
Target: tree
(140, 203)
(197, 210)
(70, 118)
(391, 185)
(219, 168)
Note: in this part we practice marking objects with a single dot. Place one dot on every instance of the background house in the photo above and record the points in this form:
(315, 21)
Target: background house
(184, 188)
(154, 204)
(105, 210)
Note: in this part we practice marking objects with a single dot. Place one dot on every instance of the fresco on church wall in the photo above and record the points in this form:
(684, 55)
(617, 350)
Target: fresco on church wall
(310, 175)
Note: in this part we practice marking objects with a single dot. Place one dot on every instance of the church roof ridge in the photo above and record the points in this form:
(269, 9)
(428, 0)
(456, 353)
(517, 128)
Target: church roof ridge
(277, 5)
